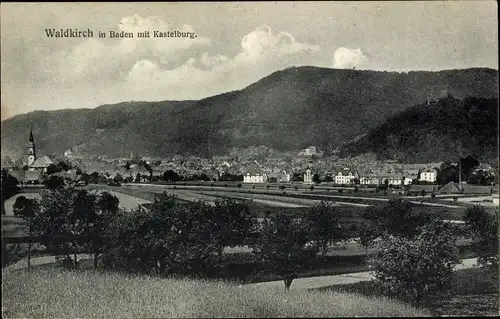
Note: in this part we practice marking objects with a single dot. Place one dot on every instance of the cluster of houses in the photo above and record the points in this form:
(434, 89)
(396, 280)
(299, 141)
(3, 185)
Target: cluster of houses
(346, 176)
(307, 166)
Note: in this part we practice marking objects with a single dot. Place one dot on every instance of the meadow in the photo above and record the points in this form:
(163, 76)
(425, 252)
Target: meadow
(57, 293)
(471, 292)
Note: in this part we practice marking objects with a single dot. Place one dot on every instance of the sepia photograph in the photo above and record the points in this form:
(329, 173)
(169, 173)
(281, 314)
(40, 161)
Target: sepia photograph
(249, 159)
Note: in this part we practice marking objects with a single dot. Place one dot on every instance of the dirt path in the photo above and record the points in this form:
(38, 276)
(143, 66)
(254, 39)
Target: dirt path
(350, 278)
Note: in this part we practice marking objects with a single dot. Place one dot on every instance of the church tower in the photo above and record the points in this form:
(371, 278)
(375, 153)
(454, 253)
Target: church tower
(31, 149)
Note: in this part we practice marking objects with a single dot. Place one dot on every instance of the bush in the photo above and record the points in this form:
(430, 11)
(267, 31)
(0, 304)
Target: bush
(239, 186)
(433, 195)
(423, 192)
(340, 191)
(311, 188)
(414, 267)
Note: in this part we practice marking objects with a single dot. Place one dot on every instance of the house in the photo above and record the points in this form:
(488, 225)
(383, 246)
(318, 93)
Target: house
(308, 176)
(32, 177)
(370, 179)
(428, 175)
(309, 151)
(254, 176)
(7, 163)
(346, 176)
(68, 153)
(284, 177)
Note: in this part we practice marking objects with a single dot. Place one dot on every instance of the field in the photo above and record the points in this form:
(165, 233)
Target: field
(56, 293)
(472, 292)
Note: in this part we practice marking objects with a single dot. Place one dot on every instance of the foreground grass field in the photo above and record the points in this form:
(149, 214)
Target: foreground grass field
(56, 293)
(472, 292)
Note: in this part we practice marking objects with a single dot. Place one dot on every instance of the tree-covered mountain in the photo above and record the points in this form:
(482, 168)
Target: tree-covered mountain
(286, 110)
(440, 131)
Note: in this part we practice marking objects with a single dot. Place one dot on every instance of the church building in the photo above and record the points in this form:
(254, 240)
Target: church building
(36, 163)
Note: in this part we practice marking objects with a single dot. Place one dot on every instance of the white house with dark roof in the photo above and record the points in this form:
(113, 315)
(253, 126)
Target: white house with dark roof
(345, 176)
(308, 176)
(255, 176)
(428, 175)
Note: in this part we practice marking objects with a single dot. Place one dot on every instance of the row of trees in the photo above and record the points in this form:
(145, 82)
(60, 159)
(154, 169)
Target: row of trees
(415, 251)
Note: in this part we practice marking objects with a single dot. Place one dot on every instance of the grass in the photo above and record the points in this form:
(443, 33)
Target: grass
(472, 292)
(57, 293)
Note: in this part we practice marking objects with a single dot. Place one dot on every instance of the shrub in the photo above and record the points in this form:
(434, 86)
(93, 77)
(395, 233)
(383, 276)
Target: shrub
(433, 195)
(414, 267)
(423, 192)
(311, 188)
(356, 189)
(340, 191)
(239, 186)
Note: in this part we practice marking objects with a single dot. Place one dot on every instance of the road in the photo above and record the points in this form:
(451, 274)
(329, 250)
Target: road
(350, 278)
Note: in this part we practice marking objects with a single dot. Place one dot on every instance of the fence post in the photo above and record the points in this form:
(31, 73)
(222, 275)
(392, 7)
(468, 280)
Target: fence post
(29, 244)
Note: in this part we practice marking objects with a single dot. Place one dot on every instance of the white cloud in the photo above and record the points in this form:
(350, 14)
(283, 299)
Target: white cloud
(262, 52)
(344, 58)
(96, 57)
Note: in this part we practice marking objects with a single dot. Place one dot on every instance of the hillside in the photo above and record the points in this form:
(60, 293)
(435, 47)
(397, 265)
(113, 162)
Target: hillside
(435, 132)
(286, 110)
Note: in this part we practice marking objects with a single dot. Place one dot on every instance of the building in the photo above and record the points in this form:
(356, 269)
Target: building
(346, 176)
(428, 175)
(253, 176)
(284, 177)
(36, 163)
(495, 199)
(308, 176)
(309, 151)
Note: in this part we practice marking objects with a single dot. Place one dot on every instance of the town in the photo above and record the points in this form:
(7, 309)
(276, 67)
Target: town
(306, 166)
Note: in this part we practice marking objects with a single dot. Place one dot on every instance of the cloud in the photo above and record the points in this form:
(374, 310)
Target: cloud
(98, 59)
(203, 75)
(344, 58)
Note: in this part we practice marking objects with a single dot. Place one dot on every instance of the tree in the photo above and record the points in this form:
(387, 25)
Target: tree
(171, 176)
(233, 223)
(96, 223)
(395, 217)
(367, 234)
(414, 267)
(316, 179)
(482, 227)
(94, 178)
(283, 247)
(322, 222)
(27, 208)
(9, 187)
(53, 223)
(423, 192)
(54, 182)
(297, 177)
(53, 168)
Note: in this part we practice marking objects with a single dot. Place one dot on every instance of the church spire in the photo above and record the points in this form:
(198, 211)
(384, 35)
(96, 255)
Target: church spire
(31, 133)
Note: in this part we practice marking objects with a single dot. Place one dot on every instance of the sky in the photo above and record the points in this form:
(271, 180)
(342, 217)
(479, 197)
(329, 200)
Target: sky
(236, 44)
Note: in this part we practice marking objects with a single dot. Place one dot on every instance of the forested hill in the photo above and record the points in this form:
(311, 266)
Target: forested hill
(436, 132)
(286, 110)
